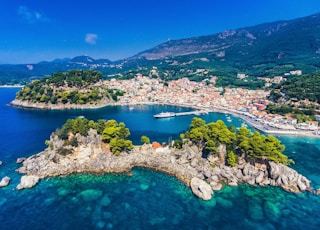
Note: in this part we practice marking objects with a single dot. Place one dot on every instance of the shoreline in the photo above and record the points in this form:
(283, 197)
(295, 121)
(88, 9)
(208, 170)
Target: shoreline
(255, 124)
(11, 86)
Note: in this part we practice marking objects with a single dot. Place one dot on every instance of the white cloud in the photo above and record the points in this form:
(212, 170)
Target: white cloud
(31, 16)
(91, 38)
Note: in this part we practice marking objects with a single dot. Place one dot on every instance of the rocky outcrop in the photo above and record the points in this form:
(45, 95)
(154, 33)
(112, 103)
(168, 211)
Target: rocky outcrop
(5, 181)
(1, 163)
(205, 174)
(28, 182)
(201, 189)
(288, 178)
(20, 160)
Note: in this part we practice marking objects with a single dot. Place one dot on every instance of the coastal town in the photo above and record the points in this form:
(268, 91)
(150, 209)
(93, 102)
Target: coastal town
(247, 104)
(203, 97)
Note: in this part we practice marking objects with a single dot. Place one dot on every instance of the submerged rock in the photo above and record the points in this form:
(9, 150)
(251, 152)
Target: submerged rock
(255, 211)
(5, 181)
(272, 211)
(144, 187)
(105, 201)
(224, 202)
(91, 194)
(201, 189)
(27, 182)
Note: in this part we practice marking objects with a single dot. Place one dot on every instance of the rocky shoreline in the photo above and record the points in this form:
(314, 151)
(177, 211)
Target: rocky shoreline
(43, 106)
(203, 175)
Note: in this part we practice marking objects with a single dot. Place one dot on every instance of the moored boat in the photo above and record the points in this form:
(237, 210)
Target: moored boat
(164, 115)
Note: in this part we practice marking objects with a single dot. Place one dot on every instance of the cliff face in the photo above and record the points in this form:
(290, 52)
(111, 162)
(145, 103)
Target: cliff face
(92, 156)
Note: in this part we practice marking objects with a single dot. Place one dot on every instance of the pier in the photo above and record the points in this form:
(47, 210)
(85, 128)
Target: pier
(172, 114)
(197, 112)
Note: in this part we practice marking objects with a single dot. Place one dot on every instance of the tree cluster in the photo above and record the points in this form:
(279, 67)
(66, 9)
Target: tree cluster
(113, 133)
(243, 142)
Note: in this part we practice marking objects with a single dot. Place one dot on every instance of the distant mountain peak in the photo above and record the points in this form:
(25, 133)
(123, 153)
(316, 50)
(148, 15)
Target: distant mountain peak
(82, 58)
(281, 36)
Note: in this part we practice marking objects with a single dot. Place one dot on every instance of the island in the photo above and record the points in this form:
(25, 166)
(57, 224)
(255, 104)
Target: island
(206, 157)
(75, 89)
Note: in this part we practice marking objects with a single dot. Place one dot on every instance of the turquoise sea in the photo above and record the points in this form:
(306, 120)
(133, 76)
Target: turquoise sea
(148, 199)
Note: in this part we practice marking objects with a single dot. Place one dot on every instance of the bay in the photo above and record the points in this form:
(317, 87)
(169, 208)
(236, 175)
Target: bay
(147, 199)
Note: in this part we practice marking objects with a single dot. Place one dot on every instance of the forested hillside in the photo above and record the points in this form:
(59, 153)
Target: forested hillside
(73, 87)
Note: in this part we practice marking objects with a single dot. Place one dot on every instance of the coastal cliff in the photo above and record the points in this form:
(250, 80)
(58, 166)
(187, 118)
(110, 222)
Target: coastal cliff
(203, 174)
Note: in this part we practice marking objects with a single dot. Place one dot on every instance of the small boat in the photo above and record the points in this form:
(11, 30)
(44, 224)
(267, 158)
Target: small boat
(131, 108)
(229, 119)
(244, 125)
(164, 115)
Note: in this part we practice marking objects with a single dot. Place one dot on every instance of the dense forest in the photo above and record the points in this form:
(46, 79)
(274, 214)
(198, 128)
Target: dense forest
(74, 87)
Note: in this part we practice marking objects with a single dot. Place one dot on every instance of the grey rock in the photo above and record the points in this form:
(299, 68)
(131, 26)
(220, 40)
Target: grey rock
(214, 178)
(302, 186)
(207, 172)
(265, 182)
(222, 150)
(0, 163)
(5, 181)
(233, 183)
(201, 189)
(194, 162)
(172, 160)
(27, 182)
(21, 160)
(259, 178)
(216, 186)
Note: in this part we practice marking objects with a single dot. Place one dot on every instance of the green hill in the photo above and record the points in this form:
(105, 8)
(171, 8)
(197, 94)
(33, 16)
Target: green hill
(298, 90)
(72, 87)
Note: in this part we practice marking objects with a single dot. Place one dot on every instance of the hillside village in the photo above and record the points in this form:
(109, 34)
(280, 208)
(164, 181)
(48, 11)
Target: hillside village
(204, 95)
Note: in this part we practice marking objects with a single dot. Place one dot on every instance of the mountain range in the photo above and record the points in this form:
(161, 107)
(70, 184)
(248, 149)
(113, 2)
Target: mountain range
(264, 50)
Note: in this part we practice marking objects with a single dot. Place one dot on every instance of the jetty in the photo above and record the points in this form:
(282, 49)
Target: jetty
(173, 114)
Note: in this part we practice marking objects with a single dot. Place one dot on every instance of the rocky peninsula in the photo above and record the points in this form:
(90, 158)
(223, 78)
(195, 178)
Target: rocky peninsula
(203, 174)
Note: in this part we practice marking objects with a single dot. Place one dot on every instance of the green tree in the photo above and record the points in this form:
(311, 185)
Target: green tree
(110, 131)
(144, 139)
(232, 159)
(119, 145)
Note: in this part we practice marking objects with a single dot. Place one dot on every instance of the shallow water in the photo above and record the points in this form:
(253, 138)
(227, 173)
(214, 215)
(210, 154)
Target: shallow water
(148, 199)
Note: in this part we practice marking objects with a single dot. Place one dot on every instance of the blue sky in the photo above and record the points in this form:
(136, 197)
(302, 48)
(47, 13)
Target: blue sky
(38, 30)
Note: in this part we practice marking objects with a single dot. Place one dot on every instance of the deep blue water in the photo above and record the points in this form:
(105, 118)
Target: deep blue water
(148, 199)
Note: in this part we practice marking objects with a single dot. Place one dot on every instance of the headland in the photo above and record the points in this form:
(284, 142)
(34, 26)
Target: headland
(203, 174)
